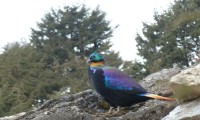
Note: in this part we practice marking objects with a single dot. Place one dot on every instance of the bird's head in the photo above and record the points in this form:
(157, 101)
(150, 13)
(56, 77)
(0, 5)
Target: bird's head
(96, 59)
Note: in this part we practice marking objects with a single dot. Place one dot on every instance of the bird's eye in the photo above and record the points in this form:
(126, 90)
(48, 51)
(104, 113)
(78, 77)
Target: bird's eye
(92, 57)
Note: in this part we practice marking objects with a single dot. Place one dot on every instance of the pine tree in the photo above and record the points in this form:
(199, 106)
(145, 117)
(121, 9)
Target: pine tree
(173, 39)
(66, 37)
(74, 30)
(24, 78)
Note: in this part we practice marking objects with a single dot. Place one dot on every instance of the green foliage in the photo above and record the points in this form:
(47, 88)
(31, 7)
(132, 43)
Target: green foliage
(136, 70)
(23, 78)
(113, 59)
(72, 31)
(66, 37)
(173, 39)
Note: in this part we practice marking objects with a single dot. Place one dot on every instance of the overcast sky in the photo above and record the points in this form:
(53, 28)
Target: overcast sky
(18, 16)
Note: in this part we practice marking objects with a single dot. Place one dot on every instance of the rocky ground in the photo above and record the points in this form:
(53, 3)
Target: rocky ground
(184, 85)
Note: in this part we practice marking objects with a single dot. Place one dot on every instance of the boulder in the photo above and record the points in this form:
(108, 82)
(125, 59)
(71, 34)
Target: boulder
(186, 85)
(87, 105)
(185, 111)
(158, 83)
(13, 117)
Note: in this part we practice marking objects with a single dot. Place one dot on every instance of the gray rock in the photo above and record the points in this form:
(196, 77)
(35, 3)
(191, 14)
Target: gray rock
(72, 107)
(158, 82)
(151, 110)
(163, 75)
(86, 106)
(186, 85)
(185, 111)
(13, 117)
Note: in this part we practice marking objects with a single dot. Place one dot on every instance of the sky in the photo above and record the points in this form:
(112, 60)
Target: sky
(19, 16)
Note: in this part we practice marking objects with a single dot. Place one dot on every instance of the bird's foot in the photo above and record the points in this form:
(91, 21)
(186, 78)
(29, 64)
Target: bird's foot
(118, 110)
(113, 112)
(110, 110)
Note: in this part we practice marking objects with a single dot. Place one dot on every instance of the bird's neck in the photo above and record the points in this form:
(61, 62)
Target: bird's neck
(96, 64)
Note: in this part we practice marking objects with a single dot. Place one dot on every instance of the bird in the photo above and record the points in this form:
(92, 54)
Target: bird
(116, 87)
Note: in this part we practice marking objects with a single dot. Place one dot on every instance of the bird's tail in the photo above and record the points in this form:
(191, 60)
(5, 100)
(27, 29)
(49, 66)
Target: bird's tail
(158, 97)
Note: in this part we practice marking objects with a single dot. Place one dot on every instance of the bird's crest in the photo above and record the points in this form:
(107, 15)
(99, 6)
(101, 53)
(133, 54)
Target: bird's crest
(96, 57)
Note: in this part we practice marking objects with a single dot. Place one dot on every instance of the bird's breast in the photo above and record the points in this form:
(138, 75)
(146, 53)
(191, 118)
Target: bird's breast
(97, 77)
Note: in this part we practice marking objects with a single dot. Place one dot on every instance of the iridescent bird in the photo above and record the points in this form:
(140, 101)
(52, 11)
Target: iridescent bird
(116, 87)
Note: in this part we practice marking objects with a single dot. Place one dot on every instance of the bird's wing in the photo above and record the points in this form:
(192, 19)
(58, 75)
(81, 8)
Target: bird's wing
(117, 80)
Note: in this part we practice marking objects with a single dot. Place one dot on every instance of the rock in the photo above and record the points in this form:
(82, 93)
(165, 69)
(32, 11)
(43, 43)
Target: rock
(158, 82)
(72, 107)
(13, 117)
(86, 106)
(163, 75)
(151, 110)
(186, 85)
(185, 111)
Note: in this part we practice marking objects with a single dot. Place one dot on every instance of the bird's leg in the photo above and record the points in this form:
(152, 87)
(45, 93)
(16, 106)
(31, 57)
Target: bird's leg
(115, 111)
(110, 110)
(118, 110)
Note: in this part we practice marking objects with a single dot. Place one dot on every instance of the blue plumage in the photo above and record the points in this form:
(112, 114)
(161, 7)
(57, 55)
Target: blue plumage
(118, 80)
(116, 87)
